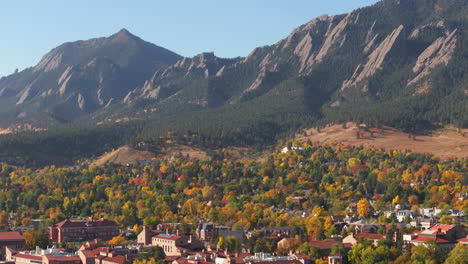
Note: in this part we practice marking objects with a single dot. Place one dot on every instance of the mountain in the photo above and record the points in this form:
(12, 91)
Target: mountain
(77, 78)
(400, 63)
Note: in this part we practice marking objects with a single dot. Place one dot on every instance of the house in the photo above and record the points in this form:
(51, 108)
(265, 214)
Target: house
(325, 246)
(401, 215)
(452, 232)
(426, 236)
(423, 222)
(353, 239)
(13, 240)
(83, 230)
(335, 259)
(433, 211)
(463, 241)
(361, 227)
(267, 258)
(175, 245)
(444, 235)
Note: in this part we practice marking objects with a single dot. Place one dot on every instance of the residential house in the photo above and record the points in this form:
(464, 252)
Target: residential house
(401, 215)
(463, 241)
(267, 258)
(335, 259)
(353, 239)
(423, 222)
(452, 232)
(325, 246)
(426, 236)
(444, 235)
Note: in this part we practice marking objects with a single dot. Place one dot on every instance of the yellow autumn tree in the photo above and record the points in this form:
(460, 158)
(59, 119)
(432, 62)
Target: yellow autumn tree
(363, 208)
(117, 240)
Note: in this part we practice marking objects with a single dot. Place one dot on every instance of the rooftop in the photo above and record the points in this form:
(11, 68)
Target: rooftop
(442, 227)
(15, 235)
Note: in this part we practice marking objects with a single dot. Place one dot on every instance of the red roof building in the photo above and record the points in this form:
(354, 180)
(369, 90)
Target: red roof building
(48, 256)
(451, 232)
(325, 246)
(13, 240)
(463, 241)
(83, 230)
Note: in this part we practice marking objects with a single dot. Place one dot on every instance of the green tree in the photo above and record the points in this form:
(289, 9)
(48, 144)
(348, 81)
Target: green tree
(232, 244)
(458, 255)
(431, 253)
(262, 246)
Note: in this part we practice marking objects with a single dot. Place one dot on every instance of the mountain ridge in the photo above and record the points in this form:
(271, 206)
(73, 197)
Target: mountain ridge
(395, 63)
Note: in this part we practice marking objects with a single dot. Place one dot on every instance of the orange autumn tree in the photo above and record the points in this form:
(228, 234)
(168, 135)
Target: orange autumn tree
(363, 208)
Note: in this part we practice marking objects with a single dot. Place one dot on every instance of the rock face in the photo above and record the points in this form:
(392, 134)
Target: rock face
(332, 36)
(167, 82)
(87, 75)
(376, 59)
(439, 52)
(320, 62)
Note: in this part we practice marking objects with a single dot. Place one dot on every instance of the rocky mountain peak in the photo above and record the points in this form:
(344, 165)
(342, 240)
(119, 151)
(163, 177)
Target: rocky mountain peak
(123, 35)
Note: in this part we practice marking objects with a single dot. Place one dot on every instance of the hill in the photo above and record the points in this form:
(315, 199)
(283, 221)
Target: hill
(128, 155)
(445, 143)
(124, 155)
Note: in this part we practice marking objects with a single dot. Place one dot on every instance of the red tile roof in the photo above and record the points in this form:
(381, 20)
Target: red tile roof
(116, 259)
(463, 240)
(62, 258)
(424, 239)
(15, 235)
(91, 253)
(171, 258)
(94, 223)
(369, 236)
(27, 256)
(442, 227)
(327, 244)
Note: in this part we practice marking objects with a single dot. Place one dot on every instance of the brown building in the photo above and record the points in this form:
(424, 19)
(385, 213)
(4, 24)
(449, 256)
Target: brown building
(78, 231)
(174, 245)
(145, 236)
(12, 240)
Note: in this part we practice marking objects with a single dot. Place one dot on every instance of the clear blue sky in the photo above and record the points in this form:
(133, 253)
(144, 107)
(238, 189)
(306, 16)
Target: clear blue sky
(230, 28)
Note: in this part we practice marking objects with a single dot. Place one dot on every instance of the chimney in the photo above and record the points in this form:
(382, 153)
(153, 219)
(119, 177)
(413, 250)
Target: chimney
(167, 231)
(177, 232)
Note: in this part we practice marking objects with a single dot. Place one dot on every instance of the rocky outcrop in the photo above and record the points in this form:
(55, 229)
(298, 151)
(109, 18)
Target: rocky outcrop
(375, 60)
(49, 62)
(81, 101)
(64, 79)
(439, 52)
(332, 36)
(304, 51)
(25, 94)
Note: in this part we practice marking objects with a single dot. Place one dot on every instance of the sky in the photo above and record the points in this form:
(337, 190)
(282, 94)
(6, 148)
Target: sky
(230, 28)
